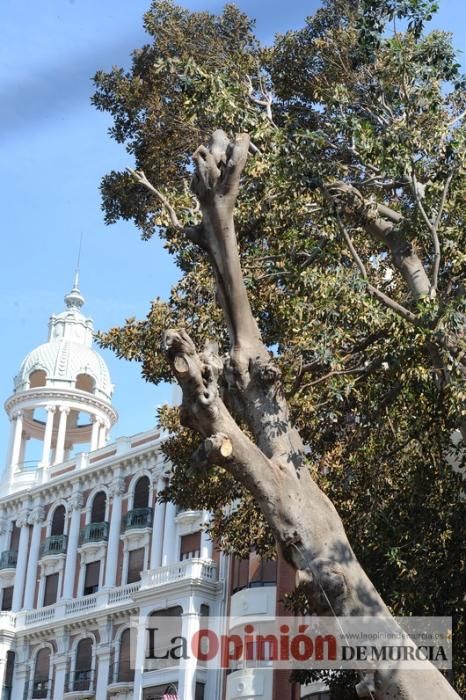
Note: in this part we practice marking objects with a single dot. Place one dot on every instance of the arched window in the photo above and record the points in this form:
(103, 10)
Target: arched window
(141, 493)
(37, 378)
(83, 668)
(98, 507)
(40, 685)
(125, 672)
(85, 382)
(58, 521)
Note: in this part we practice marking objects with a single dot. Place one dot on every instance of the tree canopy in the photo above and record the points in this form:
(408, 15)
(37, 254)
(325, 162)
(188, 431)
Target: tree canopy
(350, 225)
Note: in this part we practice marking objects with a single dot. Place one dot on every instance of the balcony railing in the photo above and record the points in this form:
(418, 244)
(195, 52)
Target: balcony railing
(8, 559)
(40, 689)
(189, 569)
(137, 519)
(94, 532)
(80, 681)
(56, 544)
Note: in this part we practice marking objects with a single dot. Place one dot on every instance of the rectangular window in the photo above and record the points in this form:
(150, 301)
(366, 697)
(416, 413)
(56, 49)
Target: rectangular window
(190, 546)
(135, 565)
(51, 589)
(91, 580)
(240, 575)
(7, 598)
(262, 572)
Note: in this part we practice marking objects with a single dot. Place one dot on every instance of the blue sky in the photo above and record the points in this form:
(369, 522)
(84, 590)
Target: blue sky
(54, 151)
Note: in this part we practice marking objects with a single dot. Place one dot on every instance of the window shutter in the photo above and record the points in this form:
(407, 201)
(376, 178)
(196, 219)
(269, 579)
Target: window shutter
(91, 581)
(240, 573)
(261, 571)
(135, 565)
(51, 589)
(7, 598)
(190, 546)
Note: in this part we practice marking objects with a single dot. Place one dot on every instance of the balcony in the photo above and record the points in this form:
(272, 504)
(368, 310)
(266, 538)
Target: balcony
(56, 544)
(94, 532)
(138, 519)
(40, 689)
(190, 569)
(248, 683)
(254, 601)
(80, 684)
(8, 559)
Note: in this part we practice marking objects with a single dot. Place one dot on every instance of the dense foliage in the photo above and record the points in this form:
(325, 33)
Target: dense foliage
(351, 231)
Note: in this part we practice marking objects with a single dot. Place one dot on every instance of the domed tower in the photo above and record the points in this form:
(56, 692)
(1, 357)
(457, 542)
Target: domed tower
(62, 398)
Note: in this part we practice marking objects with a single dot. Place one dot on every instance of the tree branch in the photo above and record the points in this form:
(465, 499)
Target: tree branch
(140, 176)
(381, 296)
(403, 256)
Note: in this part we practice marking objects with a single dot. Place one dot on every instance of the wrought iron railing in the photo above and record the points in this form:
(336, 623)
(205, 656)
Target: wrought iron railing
(80, 680)
(94, 532)
(8, 559)
(40, 689)
(56, 544)
(138, 518)
(118, 673)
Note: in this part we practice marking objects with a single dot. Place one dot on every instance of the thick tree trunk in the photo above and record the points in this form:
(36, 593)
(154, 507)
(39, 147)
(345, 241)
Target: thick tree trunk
(306, 525)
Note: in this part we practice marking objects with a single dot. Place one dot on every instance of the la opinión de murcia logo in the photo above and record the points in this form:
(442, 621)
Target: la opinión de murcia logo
(296, 643)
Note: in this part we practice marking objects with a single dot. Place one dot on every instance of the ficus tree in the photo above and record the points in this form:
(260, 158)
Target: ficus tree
(317, 328)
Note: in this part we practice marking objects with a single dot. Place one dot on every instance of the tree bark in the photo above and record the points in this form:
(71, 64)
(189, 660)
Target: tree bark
(246, 385)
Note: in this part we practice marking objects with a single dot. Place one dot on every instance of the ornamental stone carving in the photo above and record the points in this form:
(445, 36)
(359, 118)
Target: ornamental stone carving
(23, 518)
(117, 487)
(37, 515)
(76, 501)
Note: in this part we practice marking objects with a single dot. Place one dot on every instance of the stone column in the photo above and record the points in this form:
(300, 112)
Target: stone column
(94, 433)
(206, 542)
(103, 652)
(117, 490)
(75, 505)
(102, 434)
(60, 663)
(22, 670)
(45, 462)
(157, 530)
(22, 450)
(60, 448)
(169, 555)
(17, 438)
(187, 678)
(20, 576)
(140, 653)
(5, 647)
(36, 518)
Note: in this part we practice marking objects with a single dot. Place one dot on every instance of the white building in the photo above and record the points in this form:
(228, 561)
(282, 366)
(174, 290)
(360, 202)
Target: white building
(85, 547)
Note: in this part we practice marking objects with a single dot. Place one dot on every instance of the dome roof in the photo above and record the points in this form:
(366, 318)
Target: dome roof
(62, 361)
(67, 355)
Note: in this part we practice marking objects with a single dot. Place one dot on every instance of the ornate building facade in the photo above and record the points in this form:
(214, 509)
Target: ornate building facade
(85, 546)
